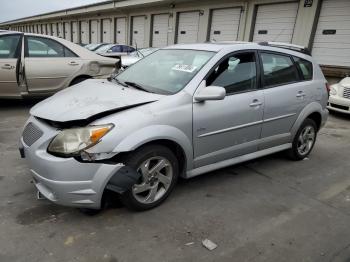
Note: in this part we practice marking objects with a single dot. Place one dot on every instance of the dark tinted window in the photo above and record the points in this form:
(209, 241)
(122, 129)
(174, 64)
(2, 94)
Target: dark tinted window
(305, 67)
(117, 48)
(278, 69)
(44, 47)
(8, 46)
(128, 49)
(237, 73)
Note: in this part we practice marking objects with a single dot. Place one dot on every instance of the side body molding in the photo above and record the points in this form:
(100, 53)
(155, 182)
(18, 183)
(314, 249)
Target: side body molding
(157, 132)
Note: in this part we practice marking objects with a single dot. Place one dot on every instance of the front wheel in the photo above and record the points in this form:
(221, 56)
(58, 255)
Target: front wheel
(158, 169)
(304, 140)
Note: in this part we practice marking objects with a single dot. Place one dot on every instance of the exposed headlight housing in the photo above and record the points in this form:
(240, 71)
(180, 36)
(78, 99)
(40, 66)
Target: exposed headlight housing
(71, 142)
(333, 91)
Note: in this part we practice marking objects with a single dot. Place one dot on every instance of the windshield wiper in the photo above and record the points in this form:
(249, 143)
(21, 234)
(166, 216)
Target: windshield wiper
(137, 86)
(120, 82)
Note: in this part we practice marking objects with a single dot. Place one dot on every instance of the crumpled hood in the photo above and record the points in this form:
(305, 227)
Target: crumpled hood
(89, 98)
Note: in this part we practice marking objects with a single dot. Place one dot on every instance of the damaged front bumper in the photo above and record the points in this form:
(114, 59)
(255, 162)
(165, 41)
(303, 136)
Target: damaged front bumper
(67, 181)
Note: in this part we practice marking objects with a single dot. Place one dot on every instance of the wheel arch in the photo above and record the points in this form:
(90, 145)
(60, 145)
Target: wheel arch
(313, 111)
(83, 76)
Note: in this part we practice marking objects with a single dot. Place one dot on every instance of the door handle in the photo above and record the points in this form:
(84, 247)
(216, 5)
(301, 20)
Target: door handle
(7, 66)
(255, 103)
(300, 94)
(73, 63)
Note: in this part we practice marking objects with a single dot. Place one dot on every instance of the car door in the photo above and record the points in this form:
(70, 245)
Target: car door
(231, 127)
(49, 65)
(285, 96)
(10, 55)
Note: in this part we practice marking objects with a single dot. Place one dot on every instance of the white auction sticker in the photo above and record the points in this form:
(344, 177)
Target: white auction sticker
(184, 68)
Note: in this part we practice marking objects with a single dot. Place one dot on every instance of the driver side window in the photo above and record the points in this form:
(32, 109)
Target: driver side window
(236, 73)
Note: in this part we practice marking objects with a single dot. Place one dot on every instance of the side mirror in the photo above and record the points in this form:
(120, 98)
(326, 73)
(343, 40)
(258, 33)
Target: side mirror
(210, 93)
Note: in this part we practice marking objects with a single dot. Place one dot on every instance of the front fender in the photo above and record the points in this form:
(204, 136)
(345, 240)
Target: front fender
(157, 132)
(313, 107)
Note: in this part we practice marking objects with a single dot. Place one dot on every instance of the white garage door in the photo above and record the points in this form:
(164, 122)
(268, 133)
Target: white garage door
(138, 31)
(67, 31)
(75, 32)
(48, 29)
(275, 22)
(225, 24)
(54, 29)
(332, 39)
(43, 29)
(120, 30)
(188, 27)
(60, 30)
(95, 31)
(160, 30)
(106, 31)
(84, 32)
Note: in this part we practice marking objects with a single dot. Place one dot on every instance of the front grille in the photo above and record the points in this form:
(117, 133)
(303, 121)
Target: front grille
(346, 92)
(31, 134)
(340, 107)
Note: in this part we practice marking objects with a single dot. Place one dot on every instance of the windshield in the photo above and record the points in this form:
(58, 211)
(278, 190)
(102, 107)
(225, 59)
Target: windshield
(166, 71)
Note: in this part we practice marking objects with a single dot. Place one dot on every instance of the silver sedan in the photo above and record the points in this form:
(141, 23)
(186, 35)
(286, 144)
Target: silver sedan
(37, 65)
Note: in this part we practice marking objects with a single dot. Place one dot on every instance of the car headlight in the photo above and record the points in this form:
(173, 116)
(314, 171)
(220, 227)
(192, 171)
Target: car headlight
(333, 91)
(70, 142)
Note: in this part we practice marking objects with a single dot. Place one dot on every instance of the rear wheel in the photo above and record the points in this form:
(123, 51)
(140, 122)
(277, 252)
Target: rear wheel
(304, 140)
(158, 169)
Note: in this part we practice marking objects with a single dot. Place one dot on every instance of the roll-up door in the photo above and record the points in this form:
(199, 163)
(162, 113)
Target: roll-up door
(120, 30)
(94, 31)
(48, 29)
(138, 31)
(160, 30)
(275, 22)
(67, 31)
(225, 24)
(188, 27)
(60, 31)
(84, 32)
(75, 32)
(54, 29)
(106, 31)
(332, 38)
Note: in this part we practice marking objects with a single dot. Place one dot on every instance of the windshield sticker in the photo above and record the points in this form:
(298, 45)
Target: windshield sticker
(184, 68)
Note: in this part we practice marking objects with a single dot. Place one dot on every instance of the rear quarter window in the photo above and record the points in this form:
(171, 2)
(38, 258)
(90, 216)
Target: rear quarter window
(305, 67)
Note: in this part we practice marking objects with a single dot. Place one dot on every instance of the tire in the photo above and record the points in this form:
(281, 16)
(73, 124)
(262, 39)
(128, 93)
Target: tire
(78, 80)
(153, 188)
(296, 153)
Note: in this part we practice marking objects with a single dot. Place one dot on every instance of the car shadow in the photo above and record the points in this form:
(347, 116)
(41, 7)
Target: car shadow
(18, 103)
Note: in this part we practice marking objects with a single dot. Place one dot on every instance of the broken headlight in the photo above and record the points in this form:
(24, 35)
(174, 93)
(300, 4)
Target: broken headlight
(70, 142)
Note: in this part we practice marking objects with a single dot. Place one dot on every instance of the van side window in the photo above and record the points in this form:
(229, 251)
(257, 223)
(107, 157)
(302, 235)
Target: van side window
(305, 67)
(278, 70)
(236, 73)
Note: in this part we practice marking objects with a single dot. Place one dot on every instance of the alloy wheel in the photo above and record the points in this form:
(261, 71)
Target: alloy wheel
(156, 177)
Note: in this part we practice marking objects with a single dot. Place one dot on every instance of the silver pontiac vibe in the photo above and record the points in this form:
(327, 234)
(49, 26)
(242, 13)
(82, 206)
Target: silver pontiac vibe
(182, 111)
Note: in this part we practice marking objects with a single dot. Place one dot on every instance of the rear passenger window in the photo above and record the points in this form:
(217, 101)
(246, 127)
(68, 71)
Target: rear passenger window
(45, 47)
(236, 73)
(278, 70)
(305, 67)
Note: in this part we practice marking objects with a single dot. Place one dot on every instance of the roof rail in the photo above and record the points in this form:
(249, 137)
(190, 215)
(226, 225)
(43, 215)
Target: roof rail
(297, 48)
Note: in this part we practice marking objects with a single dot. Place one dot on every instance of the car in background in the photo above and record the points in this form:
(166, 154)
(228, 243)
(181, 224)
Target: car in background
(46, 65)
(339, 96)
(135, 56)
(94, 47)
(115, 50)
